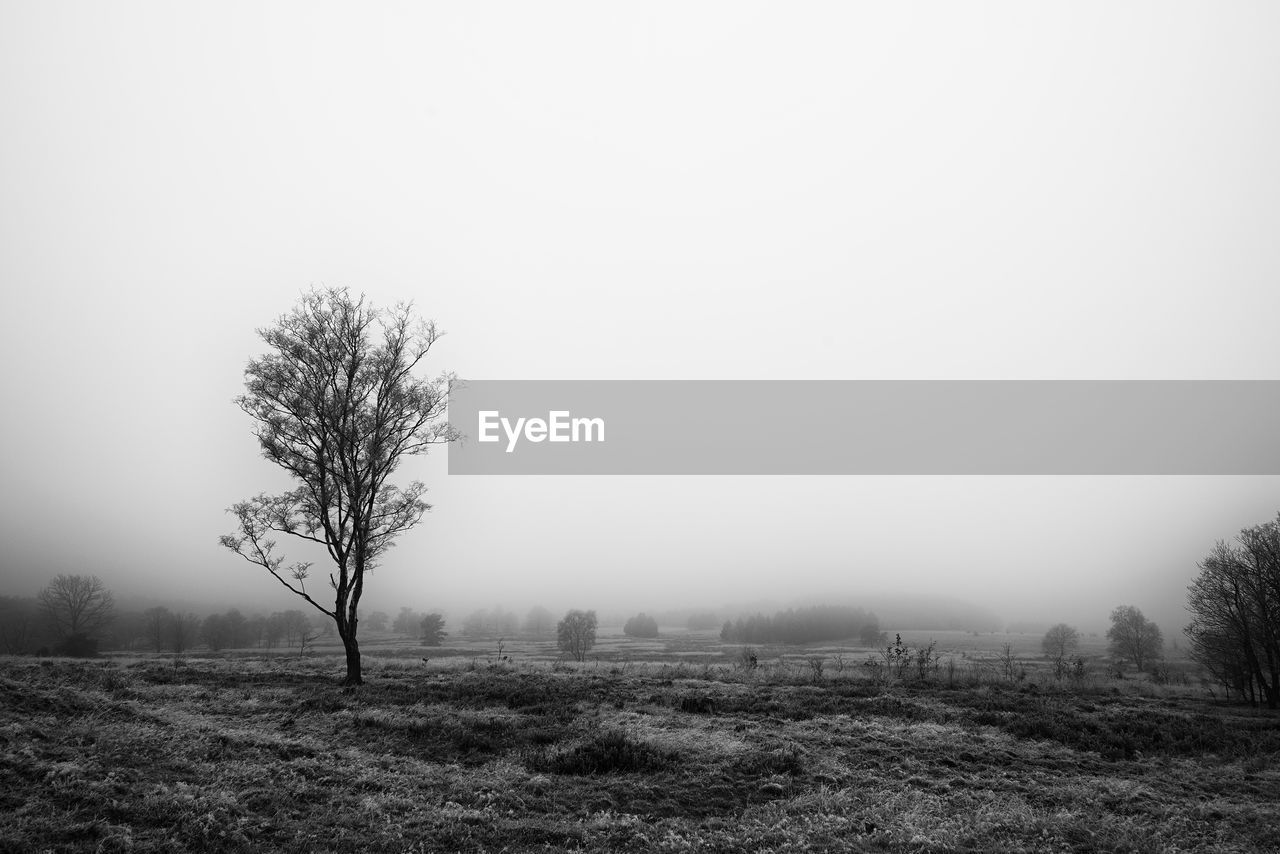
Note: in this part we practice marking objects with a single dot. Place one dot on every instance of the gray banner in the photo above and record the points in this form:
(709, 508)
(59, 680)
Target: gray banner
(866, 427)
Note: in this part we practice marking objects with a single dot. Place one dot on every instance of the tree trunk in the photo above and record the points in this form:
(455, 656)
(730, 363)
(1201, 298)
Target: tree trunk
(353, 660)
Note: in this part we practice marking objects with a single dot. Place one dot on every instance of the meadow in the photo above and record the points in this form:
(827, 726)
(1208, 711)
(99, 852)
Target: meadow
(675, 744)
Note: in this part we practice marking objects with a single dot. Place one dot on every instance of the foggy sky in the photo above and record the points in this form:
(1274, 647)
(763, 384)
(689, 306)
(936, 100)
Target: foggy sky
(649, 191)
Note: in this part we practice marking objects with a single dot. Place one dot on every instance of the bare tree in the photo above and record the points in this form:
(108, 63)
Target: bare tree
(77, 605)
(308, 634)
(576, 633)
(1060, 641)
(1133, 637)
(1235, 609)
(338, 411)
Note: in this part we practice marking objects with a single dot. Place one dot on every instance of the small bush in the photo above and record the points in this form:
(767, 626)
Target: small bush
(641, 626)
(1256, 764)
(607, 753)
(115, 682)
(698, 705)
(1078, 672)
(926, 660)
(783, 761)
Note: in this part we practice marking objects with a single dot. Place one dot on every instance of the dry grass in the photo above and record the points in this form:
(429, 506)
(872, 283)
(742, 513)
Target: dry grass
(638, 754)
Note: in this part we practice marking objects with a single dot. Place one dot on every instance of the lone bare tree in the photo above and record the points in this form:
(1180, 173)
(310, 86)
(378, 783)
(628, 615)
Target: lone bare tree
(1060, 641)
(1134, 637)
(576, 633)
(77, 605)
(336, 405)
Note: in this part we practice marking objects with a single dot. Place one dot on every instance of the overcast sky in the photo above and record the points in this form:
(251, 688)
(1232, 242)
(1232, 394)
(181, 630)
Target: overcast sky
(633, 191)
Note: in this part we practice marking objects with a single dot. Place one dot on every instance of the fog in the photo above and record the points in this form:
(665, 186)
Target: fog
(582, 191)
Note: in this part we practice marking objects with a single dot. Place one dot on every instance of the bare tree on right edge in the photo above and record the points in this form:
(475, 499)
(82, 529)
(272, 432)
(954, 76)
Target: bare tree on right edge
(1235, 609)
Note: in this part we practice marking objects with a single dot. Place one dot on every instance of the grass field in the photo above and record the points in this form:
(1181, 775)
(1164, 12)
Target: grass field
(664, 745)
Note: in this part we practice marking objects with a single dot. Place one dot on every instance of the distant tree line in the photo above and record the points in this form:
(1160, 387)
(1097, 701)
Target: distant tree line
(77, 615)
(805, 625)
(487, 622)
(483, 623)
(406, 622)
(72, 615)
(178, 632)
(701, 621)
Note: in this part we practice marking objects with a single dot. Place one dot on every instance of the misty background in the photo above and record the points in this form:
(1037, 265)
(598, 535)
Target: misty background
(658, 191)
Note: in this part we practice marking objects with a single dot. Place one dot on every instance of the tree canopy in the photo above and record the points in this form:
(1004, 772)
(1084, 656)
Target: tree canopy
(77, 606)
(576, 633)
(1060, 641)
(1133, 637)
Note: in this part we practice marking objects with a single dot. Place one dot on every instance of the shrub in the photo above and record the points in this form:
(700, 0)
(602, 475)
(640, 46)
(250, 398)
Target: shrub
(641, 626)
(926, 660)
(898, 659)
(698, 705)
(785, 760)
(432, 629)
(606, 753)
